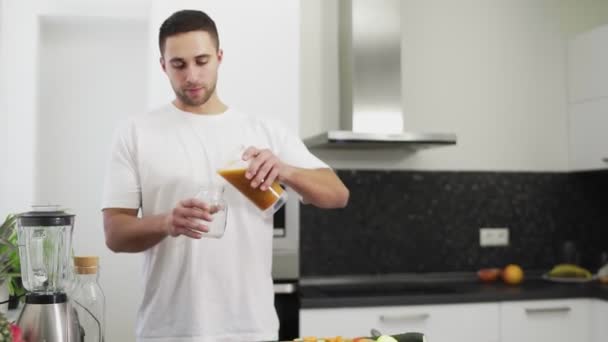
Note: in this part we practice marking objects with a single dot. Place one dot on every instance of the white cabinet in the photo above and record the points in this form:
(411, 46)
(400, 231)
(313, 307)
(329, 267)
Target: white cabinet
(440, 323)
(587, 72)
(599, 320)
(546, 320)
(553, 320)
(588, 99)
(589, 134)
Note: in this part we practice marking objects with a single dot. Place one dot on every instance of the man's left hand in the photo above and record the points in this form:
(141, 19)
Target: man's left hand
(264, 167)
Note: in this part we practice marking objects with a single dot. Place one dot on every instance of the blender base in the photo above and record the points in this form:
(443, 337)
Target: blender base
(49, 318)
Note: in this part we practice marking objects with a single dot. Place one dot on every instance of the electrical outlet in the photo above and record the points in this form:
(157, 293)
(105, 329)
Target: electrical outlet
(492, 237)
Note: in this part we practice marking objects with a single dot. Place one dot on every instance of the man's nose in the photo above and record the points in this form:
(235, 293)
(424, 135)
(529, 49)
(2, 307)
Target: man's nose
(191, 75)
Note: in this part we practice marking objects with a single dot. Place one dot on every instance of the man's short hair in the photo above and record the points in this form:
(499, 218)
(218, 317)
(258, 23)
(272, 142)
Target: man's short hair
(186, 21)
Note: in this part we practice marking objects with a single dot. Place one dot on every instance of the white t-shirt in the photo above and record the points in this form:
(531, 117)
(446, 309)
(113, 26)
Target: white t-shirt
(207, 289)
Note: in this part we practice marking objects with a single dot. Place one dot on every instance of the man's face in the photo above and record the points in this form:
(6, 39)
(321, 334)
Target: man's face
(191, 62)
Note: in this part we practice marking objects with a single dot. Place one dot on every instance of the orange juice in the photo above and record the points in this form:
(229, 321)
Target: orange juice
(262, 199)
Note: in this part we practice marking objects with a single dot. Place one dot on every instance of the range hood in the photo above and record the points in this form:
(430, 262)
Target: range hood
(371, 111)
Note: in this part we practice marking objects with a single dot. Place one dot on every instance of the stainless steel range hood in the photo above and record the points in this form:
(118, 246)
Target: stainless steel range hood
(371, 110)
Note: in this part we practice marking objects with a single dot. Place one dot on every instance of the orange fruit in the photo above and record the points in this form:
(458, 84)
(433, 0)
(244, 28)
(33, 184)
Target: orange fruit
(512, 274)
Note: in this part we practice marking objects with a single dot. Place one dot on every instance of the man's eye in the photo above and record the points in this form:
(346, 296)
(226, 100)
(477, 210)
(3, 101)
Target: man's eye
(202, 62)
(178, 65)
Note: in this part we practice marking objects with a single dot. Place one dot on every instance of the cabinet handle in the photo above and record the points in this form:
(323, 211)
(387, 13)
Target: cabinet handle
(404, 317)
(547, 310)
(284, 288)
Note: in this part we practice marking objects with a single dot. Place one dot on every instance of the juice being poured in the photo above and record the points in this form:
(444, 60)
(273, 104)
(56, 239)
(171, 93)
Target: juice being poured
(268, 201)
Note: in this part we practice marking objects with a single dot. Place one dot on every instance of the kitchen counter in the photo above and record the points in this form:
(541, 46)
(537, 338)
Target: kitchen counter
(408, 289)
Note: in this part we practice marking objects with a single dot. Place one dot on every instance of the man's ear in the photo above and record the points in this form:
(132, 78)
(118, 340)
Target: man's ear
(162, 63)
(220, 55)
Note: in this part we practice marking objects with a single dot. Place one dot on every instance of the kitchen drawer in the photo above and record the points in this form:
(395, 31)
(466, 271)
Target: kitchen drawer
(440, 323)
(599, 315)
(546, 320)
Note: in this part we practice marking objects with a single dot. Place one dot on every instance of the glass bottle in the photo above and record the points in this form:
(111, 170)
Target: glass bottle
(88, 298)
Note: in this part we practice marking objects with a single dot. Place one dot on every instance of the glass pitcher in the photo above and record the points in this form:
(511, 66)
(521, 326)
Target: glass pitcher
(269, 201)
(44, 237)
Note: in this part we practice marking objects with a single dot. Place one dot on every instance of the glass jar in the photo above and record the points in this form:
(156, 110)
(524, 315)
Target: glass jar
(88, 298)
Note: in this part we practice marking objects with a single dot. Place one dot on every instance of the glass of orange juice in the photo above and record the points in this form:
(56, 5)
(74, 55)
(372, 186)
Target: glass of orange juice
(268, 201)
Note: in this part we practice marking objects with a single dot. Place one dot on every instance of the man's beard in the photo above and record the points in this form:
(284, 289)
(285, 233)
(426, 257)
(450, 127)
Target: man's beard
(183, 96)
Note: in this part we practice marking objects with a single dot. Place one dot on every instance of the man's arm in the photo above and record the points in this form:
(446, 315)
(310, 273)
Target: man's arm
(125, 232)
(319, 187)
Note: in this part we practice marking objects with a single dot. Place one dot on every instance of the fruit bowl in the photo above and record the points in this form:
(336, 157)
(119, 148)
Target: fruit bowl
(567, 279)
(569, 273)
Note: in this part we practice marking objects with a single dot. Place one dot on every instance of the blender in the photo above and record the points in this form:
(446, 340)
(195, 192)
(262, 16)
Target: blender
(45, 243)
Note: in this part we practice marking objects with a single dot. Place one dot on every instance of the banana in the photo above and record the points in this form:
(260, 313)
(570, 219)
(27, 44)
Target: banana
(569, 271)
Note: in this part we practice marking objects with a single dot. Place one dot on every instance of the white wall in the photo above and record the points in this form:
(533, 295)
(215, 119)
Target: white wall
(580, 16)
(319, 66)
(260, 70)
(18, 53)
(491, 71)
(92, 74)
(1, 36)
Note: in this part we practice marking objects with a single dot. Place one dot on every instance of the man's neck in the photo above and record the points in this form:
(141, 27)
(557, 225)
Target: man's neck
(213, 106)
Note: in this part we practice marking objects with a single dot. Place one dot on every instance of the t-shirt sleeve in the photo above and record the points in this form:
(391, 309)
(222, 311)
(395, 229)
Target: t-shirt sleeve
(122, 188)
(291, 150)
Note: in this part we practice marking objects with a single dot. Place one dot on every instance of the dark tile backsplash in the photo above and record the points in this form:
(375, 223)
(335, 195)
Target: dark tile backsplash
(419, 221)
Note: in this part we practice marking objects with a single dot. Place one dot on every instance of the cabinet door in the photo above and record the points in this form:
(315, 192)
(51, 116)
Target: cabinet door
(588, 134)
(587, 72)
(440, 323)
(545, 321)
(599, 320)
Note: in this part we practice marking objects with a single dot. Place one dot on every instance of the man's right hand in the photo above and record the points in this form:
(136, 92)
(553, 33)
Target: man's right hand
(183, 218)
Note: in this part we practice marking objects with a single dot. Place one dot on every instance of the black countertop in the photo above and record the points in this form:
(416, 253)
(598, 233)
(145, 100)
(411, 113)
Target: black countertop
(408, 289)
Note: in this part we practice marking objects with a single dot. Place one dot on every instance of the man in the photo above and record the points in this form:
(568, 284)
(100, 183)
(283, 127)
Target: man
(202, 289)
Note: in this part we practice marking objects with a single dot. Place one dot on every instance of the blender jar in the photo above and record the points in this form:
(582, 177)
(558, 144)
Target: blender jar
(45, 238)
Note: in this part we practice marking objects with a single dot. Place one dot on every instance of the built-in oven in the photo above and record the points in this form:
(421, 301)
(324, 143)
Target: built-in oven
(286, 266)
